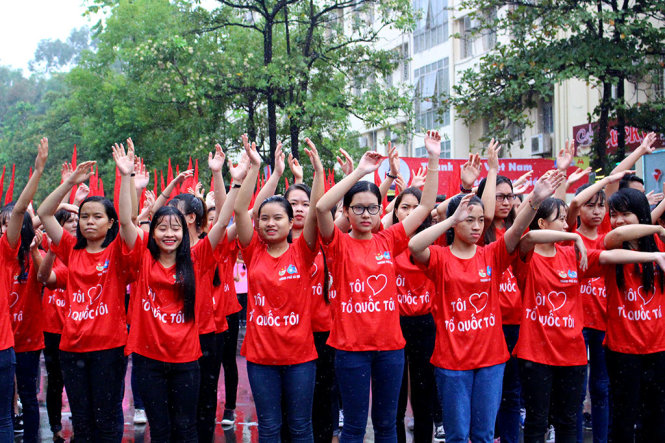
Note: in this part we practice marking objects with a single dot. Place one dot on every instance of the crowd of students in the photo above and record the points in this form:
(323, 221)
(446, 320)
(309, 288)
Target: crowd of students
(492, 299)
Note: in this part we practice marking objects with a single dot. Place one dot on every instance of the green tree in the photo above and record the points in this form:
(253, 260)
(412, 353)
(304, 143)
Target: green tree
(603, 42)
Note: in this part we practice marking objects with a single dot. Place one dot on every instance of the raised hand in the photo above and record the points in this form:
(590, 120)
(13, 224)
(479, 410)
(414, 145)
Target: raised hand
(463, 210)
(646, 147)
(578, 175)
(252, 153)
(42, 155)
(81, 193)
(279, 159)
(615, 178)
(369, 162)
(124, 161)
(654, 197)
(470, 171)
(347, 163)
(393, 159)
(313, 155)
(419, 178)
(295, 168)
(546, 185)
(83, 172)
(580, 249)
(142, 177)
(66, 171)
(180, 178)
(493, 155)
(196, 191)
(239, 172)
(433, 143)
(216, 162)
(400, 184)
(37, 239)
(210, 199)
(522, 183)
(565, 157)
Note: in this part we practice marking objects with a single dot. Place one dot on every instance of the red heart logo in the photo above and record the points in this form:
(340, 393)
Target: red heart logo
(647, 300)
(13, 297)
(94, 293)
(479, 301)
(556, 299)
(657, 173)
(242, 273)
(377, 282)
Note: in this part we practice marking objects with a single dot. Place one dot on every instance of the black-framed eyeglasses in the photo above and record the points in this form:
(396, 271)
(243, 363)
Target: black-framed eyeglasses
(371, 209)
(502, 197)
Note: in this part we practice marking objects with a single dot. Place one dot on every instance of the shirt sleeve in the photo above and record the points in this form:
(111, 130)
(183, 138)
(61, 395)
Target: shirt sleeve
(502, 258)
(249, 250)
(63, 250)
(204, 256)
(61, 275)
(334, 244)
(305, 252)
(433, 268)
(7, 251)
(594, 268)
(397, 237)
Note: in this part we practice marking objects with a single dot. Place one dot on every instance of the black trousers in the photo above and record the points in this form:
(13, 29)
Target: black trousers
(55, 383)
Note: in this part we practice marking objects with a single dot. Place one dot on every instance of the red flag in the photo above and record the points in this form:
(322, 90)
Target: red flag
(411, 177)
(93, 185)
(101, 188)
(196, 171)
(142, 200)
(212, 184)
(116, 189)
(286, 184)
(161, 177)
(377, 179)
(73, 193)
(30, 173)
(176, 189)
(169, 173)
(2, 181)
(9, 196)
(154, 188)
(74, 157)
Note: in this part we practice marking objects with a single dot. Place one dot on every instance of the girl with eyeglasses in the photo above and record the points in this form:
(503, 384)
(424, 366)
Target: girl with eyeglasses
(366, 329)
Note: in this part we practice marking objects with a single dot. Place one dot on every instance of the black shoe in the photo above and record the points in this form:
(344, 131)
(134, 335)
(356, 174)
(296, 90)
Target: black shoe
(587, 421)
(18, 424)
(229, 418)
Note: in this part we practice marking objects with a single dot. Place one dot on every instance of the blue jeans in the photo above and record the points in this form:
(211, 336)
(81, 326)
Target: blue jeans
(470, 401)
(27, 371)
(7, 371)
(599, 388)
(354, 371)
(508, 419)
(296, 383)
(170, 395)
(94, 381)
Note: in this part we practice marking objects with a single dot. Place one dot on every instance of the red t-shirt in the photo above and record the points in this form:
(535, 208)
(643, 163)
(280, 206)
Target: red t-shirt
(553, 313)
(224, 295)
(321, 312)
(7, 256)
(54, 303)
(279, 322)
(510, 296)
(593, 290)
(365, 306)
(467, 312)
(635, 323)
(205, 312)
(25, 303)
(159, 330)
(96, 284)
(415, 292)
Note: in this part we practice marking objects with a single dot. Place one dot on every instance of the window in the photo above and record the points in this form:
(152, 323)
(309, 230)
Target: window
(475, 41)
(659, 83)
(547, 117)
(432, 26)
(445, 150)
(432, 85)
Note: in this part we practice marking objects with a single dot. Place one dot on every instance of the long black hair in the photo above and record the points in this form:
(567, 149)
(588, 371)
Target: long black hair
(111, 234)
(490, 232)
(452, 207)
(27, 234)
(634, 201)
(548, 207)
(185, 278)
(417, 193)
(192, 205)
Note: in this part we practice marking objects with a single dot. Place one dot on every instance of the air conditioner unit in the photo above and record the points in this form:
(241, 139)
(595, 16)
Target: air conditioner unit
(541, 144)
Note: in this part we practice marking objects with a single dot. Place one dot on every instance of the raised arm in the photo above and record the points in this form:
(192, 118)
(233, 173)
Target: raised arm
(125, 164)
(166, 193)
(542, 236)
(45, 274)
(369, 162)
(21, 206)
(617, 236)
(543, 189)
(419, 243)
(625, 256)
(268, 190)
(393, 161)
(296, 169)
(310, 229)
(428, 197)
(584, 196)
(563, 162)
(243, 221)
(489, 193)
(645, 148)
(216, 163)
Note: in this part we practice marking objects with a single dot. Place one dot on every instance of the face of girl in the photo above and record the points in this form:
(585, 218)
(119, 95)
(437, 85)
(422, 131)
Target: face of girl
(93, 221)
(3, 224)
(470, 230)
(300, 203)
(592, 212)
(623, 218)
(554, 222)
(274, 223)
(70, 225)
(363, 223)
(409, 203)
(168, 234)
(504, 201)
(211, 217)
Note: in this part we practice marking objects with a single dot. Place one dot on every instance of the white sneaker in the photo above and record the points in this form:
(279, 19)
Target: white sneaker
(229, 418)
(549, 436)
(439, 434)
(140, 417)
(341, 419)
